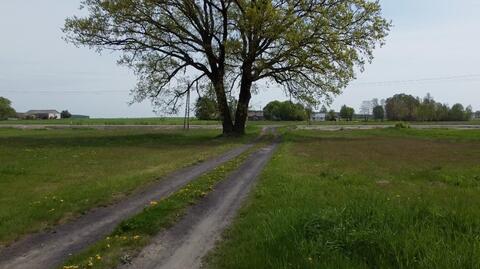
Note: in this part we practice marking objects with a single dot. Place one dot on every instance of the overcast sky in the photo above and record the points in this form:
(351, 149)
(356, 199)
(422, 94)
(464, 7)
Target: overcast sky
(433, 47)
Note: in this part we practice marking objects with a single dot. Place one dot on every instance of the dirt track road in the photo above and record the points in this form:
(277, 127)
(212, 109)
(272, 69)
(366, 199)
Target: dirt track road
(187, 242)
(51, 249)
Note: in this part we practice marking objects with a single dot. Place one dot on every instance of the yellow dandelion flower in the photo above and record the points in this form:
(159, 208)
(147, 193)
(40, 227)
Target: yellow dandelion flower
(152, 203)
(98, 257)
(136, 237)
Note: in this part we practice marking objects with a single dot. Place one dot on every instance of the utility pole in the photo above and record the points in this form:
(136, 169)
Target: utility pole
(186, 120)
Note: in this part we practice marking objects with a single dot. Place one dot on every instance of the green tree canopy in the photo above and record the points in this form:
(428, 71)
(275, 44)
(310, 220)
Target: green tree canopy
(408, 108)
(468, 113)
(378, 112)
(331, 115)
(6, 110)
(206, 107)
(311, 47)
(402, 107)
(285, 111)
(272, 110)
(457, 113)
(347, 113)
(65, 114)
(173, 46)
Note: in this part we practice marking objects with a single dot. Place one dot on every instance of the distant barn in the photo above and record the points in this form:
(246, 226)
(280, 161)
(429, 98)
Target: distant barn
(43, 114)
(476, 115)
(255, 115)
(319, 116)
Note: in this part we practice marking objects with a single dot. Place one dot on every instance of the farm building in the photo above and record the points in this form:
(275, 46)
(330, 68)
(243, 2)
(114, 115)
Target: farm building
(43, 114)
(255, 115)
(20, 115)
(476, 115)
(319, 116)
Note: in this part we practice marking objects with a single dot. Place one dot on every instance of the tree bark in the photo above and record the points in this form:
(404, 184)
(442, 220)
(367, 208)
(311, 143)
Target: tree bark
(241, 113)
(225, 117)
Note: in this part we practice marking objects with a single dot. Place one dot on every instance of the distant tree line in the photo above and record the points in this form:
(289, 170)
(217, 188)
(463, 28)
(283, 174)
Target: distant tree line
(409, 108)
(400, 107)
(404, 107)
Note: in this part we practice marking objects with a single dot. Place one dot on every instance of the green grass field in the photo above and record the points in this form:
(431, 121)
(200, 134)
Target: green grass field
(50, 176)
(193, 121)
(394, 198)
(136, 232)
(113, 121)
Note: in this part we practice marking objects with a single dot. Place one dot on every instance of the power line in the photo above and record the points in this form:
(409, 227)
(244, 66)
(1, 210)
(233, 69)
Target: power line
(64, 92)
(471, 77)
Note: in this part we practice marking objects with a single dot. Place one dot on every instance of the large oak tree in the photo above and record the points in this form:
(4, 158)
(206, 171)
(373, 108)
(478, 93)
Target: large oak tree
(172, 45)
(310, 47)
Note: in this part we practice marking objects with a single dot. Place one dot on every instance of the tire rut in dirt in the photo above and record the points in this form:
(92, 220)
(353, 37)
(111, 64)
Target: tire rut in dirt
(187, 242)
(50, 249)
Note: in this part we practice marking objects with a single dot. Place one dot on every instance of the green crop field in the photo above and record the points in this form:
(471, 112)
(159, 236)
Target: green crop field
(50, 176)
(393, 198)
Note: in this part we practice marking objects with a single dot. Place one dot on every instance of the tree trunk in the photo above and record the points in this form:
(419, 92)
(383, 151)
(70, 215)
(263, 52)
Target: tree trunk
(242, 108)
(223, 108)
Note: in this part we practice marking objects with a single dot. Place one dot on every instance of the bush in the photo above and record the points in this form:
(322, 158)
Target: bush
(402, 125)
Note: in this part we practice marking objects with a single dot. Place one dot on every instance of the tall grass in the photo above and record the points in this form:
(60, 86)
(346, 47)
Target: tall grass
(51, 176)
(364, 200)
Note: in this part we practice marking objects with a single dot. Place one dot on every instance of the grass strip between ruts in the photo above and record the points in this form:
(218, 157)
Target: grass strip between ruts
(126, 241)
